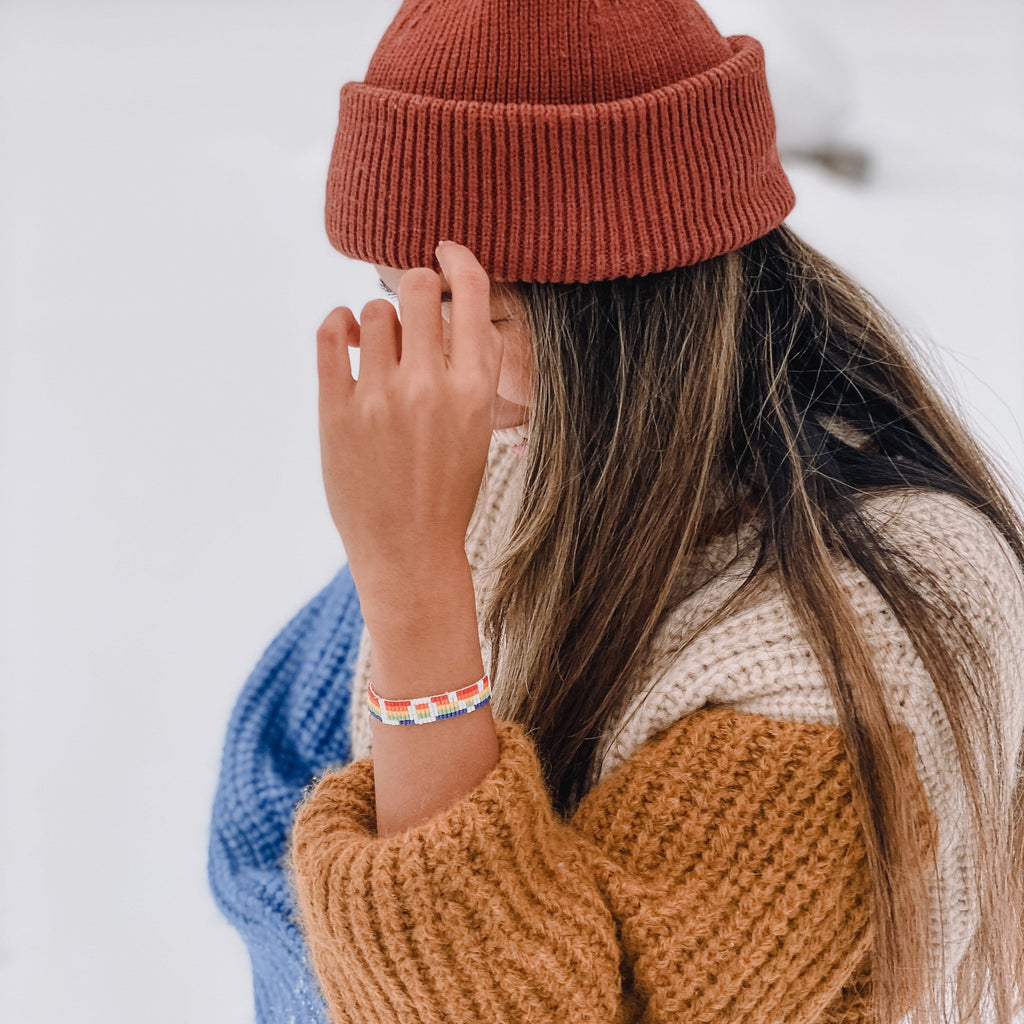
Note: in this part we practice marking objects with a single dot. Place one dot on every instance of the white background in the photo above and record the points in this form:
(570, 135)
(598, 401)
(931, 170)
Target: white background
(163, 270)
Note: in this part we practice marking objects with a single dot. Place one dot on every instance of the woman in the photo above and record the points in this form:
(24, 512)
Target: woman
(749, 594)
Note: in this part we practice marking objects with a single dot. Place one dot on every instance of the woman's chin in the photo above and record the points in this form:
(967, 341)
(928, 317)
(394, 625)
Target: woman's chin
(509, 414)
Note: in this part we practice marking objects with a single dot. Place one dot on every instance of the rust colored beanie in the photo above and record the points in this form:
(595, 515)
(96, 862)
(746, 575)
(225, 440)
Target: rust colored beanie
(559, 140)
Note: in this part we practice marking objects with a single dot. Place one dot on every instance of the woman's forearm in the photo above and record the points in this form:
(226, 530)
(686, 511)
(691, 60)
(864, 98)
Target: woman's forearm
(425, 640)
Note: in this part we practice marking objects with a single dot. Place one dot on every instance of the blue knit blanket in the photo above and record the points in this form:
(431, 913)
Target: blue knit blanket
(289, 725)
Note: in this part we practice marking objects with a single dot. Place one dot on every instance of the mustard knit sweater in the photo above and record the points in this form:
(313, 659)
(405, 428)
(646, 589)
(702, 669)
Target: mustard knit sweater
(715, 873)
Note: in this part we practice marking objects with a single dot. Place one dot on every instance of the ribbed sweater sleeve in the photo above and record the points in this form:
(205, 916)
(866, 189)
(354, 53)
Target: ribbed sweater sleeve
(718, 875)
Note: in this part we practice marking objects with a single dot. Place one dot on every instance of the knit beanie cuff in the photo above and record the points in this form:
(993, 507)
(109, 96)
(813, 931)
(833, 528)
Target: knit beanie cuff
(561, 192)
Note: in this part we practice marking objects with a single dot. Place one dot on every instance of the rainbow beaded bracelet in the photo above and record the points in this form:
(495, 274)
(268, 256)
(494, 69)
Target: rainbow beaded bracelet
(420, 710)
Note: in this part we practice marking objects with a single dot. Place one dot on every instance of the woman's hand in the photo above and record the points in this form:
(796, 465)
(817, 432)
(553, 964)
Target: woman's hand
(403, 448)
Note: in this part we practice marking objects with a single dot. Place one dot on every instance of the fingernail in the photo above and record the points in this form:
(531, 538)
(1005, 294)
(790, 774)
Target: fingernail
(443, 243)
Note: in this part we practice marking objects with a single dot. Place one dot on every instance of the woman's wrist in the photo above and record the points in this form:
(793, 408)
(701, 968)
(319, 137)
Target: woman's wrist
(424, 635)
(402, 586)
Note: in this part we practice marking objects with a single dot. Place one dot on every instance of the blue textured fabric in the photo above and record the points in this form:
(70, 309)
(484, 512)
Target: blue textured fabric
(290, 725)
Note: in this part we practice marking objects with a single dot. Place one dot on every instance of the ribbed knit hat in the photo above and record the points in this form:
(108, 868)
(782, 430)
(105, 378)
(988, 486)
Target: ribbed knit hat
(559, 140)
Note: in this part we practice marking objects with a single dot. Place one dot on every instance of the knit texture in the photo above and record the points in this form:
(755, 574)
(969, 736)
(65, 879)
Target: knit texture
(718, 875)
(559, 141)
(290, 724)
(758, 661)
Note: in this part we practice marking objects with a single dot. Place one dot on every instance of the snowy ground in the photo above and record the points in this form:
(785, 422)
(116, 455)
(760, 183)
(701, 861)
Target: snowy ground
(163, 269)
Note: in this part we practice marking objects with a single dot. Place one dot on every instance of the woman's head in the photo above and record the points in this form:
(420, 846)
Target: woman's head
(652, 149)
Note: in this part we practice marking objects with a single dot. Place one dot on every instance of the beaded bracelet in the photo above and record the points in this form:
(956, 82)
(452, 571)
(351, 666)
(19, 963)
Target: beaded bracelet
(420, 710)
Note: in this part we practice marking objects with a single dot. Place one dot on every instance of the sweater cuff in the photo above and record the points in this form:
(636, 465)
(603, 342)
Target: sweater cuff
(445, 892)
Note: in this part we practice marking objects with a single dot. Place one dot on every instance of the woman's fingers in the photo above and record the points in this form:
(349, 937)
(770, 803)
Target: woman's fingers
(380, 340)
(419, 299)
(333, 337)
(473, 348)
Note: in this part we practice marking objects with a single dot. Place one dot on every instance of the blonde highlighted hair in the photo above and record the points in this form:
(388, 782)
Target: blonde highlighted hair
(671, 406)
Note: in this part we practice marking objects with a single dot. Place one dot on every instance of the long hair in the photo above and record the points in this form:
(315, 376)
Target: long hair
(666, 402)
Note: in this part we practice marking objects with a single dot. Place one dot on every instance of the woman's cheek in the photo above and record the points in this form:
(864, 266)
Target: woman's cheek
(515, 382)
